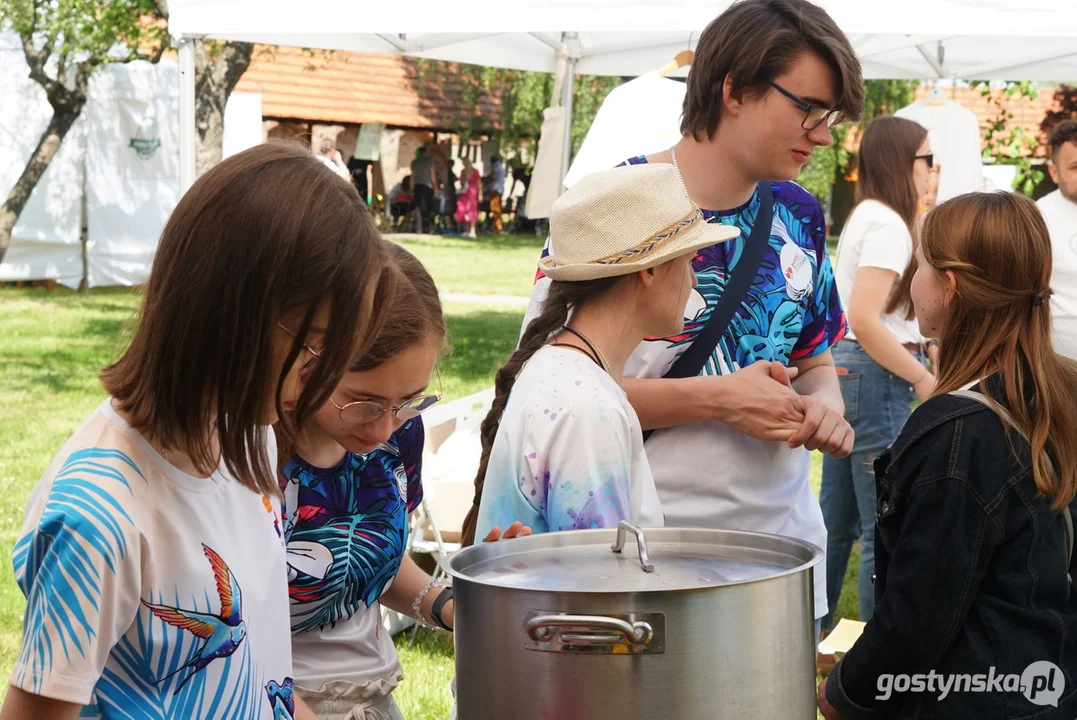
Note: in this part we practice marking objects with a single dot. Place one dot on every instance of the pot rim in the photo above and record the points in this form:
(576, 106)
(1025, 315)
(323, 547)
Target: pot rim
(654, 537)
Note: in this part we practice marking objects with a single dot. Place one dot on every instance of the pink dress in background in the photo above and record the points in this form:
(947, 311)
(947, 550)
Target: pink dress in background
(467, 202)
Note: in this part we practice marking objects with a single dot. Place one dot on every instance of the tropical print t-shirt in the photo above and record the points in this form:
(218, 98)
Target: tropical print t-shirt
(346, 528)
(707, 473)
(151, 593)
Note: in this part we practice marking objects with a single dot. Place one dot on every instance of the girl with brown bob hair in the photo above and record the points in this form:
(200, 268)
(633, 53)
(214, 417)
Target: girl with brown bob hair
(152, 554)
(974, 537)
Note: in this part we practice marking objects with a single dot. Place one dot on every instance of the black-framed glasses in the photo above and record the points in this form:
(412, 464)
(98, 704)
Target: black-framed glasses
(814, 116)
(308, 348)
(365, 411)
(928, 158)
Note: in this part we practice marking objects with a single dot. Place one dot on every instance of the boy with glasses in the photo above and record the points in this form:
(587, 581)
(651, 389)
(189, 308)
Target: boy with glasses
(739, 397)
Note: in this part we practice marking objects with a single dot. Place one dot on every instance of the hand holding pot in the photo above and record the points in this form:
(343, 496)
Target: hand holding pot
(517, 529)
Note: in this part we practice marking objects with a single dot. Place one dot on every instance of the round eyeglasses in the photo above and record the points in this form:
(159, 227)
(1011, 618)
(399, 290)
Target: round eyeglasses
(814, 115)
(365, 411)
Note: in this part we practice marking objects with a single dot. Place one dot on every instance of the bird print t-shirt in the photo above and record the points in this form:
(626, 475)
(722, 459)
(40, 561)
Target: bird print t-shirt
(152, 593)
(568, 454)
(707, 473)
(346, 528)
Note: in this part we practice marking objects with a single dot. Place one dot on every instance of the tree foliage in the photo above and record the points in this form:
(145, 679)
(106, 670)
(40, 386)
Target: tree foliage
(1065, 109)
(516, 99)
(1006, 142)
(84, 34)
(64, 42)
(881, 97)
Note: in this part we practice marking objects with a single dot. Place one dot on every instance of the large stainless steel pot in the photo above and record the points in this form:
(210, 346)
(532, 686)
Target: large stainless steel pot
(684, 623)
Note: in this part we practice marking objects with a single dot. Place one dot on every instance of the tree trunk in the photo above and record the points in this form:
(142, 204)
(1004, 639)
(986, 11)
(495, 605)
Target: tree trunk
(62, 120)
(218, 67)
(216, 75)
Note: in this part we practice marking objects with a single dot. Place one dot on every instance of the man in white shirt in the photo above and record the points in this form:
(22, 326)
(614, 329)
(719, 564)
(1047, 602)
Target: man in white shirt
(1060, 212)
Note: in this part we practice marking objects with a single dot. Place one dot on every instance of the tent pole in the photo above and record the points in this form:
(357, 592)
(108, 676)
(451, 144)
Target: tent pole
(186, 113)
(568, 85)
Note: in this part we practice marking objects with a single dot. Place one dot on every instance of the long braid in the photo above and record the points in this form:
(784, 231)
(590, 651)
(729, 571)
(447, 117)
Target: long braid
(555, 310)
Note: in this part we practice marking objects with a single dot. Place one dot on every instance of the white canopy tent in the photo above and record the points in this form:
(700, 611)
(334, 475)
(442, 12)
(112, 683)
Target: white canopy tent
(117, 170)
(969, 39)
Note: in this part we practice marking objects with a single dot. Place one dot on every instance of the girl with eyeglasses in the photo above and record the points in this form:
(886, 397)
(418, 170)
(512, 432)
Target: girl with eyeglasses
(349, 484)
(881, 360)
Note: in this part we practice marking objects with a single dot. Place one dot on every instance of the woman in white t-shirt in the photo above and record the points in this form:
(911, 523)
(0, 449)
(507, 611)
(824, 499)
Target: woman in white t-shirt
(562, 448)
(880, 362)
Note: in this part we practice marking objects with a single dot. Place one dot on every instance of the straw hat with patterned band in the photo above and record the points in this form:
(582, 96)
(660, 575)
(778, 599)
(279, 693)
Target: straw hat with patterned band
(623, 220)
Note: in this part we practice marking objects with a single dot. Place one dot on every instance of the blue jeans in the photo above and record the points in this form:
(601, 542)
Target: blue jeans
(877, 404)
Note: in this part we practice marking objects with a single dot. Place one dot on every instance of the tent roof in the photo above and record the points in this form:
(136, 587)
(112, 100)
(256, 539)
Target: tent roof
(979, 39)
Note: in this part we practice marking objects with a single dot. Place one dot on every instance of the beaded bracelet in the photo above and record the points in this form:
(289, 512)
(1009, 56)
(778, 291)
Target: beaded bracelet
(418, 603)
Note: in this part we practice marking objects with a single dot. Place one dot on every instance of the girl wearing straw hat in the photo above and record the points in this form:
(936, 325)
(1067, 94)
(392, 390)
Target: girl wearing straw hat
(564, 451)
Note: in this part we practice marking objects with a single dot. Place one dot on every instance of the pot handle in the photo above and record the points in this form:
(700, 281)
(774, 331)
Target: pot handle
(641, 543)
(543, 628)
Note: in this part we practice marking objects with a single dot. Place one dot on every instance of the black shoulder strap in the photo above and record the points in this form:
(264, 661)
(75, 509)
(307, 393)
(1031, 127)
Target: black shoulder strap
(695, 357)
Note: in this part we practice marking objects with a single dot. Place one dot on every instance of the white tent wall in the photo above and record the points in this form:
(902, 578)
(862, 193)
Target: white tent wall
(132, 168)
(127, 142)
(45, 242)
(242, 123)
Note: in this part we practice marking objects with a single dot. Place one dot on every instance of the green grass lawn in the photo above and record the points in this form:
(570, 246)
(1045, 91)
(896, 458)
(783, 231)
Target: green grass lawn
(489, 264)
(53, 344)
(51, 347)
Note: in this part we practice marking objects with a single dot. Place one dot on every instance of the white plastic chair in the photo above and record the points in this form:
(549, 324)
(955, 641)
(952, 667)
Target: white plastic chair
(459, 418)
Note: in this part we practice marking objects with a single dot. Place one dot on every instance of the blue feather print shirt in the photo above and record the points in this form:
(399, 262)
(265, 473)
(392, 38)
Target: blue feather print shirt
(151, 593)
(345, 529)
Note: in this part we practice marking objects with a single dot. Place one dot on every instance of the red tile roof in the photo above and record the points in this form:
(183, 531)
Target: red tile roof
(351, 88)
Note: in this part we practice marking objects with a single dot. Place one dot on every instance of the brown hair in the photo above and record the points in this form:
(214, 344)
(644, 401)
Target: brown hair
(884, 173)
(998, 248)
(264, 233)
(416, 309)
(562, 297)
(1064, 132)
(755, 41)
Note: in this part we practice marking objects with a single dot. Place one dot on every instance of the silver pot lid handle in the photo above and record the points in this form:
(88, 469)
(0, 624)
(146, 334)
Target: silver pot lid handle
(641, 543)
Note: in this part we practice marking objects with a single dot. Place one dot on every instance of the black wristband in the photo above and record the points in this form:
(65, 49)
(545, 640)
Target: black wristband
(439, 604)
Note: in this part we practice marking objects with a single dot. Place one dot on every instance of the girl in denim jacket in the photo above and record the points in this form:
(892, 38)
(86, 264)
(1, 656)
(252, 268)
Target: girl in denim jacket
(975, 616)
